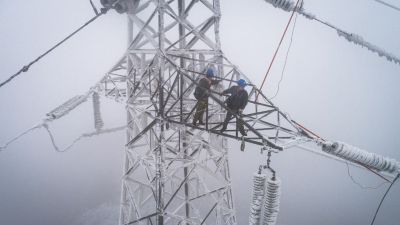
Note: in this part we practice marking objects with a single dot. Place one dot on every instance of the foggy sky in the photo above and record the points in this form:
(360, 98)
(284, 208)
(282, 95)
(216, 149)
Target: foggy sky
(339, 90)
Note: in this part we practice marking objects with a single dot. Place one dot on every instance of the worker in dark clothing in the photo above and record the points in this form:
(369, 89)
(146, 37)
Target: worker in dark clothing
(236, 103)
(201, 93)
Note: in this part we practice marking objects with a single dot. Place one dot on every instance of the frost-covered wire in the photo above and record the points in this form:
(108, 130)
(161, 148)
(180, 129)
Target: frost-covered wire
(358, 40)
(98, 121)
(271, 201)
(57, 113)
(82, 136)
(257, 199)
(287, 5)
(354, 38)
(388, 5)
(354, 154)
(19, 136)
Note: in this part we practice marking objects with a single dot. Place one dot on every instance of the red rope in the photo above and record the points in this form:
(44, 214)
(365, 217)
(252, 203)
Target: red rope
(272, 62)
(279, 45)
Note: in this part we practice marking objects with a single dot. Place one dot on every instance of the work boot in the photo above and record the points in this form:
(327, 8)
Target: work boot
(201, 122)
(194, 123)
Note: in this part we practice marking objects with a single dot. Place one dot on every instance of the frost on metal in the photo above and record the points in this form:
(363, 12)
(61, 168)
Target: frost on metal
(369, 159)
(271, 201)
(358, 40)
(67, 107)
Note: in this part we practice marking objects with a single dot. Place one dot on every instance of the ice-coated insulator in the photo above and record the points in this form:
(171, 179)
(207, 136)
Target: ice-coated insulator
(287, 5)
(372, 160)
(66, 107)
(257, 198)
(271, 201)
(98, 121)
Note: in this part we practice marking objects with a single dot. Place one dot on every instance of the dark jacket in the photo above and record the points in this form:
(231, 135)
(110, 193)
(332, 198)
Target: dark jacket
(238, 97)
(202, 91)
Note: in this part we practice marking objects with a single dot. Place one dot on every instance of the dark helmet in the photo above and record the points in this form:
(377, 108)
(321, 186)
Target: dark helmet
(241, 83)
(210, 72)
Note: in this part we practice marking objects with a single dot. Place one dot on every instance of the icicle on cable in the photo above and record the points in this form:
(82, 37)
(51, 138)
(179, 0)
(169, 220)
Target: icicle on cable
(371, 160)
(289, 5)
(98, 121)
(271, 201)
(67, 107)
(257, 200)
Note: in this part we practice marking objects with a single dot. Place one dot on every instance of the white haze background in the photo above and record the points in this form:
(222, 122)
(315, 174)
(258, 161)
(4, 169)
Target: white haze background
(339, 90)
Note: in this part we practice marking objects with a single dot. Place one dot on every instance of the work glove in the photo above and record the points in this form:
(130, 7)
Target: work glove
(240, 111)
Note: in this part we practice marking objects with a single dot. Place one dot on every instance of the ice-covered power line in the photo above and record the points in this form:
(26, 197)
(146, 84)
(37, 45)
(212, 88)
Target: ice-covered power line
(388, 5)
(63, 110)
(289, 5)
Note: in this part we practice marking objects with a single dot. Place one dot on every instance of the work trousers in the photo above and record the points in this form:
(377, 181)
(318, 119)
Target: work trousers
(239, 122)
(201, 108)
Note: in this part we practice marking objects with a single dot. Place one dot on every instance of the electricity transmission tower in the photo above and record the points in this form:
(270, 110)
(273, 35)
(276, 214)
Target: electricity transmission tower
(175, 174)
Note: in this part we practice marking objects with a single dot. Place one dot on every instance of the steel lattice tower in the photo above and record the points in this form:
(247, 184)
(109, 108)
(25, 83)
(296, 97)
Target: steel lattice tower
(176, 173)
(173, 175)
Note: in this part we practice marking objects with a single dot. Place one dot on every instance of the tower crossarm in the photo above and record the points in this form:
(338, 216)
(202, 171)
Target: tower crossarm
(265, 123)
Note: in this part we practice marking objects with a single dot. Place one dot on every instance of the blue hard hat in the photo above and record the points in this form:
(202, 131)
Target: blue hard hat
(210, 72)
(241, 83)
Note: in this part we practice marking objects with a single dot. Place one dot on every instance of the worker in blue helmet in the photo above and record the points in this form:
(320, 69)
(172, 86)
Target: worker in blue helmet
(201, 93)
(236, 102)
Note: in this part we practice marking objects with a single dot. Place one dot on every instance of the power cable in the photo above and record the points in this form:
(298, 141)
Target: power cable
(286, 58)
(277, 49)
(383, 198)
(388, 5)
(360, 185)
(26, 67)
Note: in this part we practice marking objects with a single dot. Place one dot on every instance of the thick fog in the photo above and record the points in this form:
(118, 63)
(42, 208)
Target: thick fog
(339, 90)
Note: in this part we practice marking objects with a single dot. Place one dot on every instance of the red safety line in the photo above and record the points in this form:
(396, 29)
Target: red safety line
(266, 75)
(279, 45)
